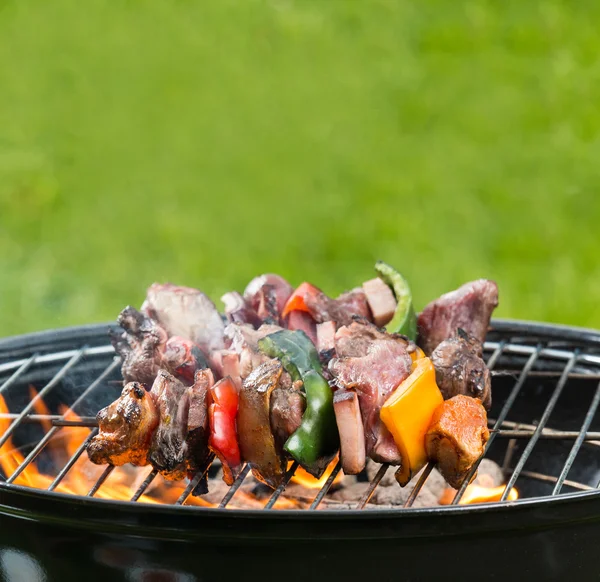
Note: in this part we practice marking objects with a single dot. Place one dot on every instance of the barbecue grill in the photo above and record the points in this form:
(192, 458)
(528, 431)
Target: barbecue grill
(545, 436)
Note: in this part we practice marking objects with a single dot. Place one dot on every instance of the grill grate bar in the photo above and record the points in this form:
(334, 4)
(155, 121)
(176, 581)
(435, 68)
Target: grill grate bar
(501, 417)
(194, 482)
(146, 483)
(18, 372)
(542, 423)
(105, 474)
(72, 461)
(325, 489)
(46, 438)
(235, 486)
(552, 479)
(53, 382)
(286, 479)
(372, 486)
(577, 444)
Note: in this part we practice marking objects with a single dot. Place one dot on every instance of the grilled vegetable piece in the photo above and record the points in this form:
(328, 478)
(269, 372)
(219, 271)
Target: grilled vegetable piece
(185, 312)
(197, 425)
(456, 437)
(140, 345)
(316, 441)
(168, 450)
(342, 310)
(460, 369)
(404, 320)
(470, 308)
(126, 428)
(407, 414)
(352, 434)
(381, 300)
(372, 364)
(257, 441)
(223, 440)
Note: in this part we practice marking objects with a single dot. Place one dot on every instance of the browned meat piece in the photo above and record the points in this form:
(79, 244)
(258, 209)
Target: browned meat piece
(186, 312)
(354, 340)
(460, 369)
(470, 307)
(381, 300)
(197, 423)
(343, 310)
(257, 442)
(126, 428)
(237, 310)
(302, 321)
(255, 294)
(456, 437)
(183, 358)
(352, 434)
(168, 450)
(287, 407)
(141, 346)
(374, 370)
(267, 304)
(227, 363)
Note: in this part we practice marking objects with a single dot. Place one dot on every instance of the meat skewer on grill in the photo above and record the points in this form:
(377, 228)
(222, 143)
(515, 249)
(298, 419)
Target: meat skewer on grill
(259, 410)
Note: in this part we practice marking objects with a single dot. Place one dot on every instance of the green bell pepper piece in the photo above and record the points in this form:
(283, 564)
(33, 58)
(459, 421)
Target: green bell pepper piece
(405, 318)
(316, 441)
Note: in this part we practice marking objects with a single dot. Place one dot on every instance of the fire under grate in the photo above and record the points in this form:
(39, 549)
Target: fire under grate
(519, 354)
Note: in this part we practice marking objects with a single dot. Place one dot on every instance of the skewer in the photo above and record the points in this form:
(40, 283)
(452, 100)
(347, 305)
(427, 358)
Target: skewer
(372, 486)
(325, 489)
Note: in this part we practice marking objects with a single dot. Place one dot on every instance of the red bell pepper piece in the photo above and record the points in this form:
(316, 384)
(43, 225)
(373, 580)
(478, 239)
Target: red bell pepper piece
(223, 438)
(297, 301)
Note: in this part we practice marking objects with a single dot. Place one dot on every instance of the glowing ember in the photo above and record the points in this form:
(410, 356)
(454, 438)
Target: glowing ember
(301, 477)
(477, 494)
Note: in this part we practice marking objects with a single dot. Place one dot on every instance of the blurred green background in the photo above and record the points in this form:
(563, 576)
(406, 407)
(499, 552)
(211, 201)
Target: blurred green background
(206, 142)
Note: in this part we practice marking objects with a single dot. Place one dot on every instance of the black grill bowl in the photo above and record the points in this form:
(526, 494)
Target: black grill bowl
(53, 536)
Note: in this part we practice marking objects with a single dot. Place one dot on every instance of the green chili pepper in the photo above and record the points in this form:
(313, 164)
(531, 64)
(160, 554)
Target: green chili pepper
(316, 441)
(405, 318)
(294, 349)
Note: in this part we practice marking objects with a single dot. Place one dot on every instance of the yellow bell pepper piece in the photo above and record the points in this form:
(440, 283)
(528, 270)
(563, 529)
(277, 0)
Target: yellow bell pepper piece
(417, 355)
(407, 415)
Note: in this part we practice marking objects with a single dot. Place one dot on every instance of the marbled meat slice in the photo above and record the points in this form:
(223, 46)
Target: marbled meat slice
(126, 427)
(168, 450)
(460, 369)
(470, 308)
(186, 312)
(374, 370)
(456, 437)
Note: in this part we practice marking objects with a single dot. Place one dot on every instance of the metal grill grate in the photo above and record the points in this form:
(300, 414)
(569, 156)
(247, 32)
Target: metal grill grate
(516, 351)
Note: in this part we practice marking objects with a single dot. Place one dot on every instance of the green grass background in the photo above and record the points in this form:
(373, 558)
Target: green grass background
(204, 142)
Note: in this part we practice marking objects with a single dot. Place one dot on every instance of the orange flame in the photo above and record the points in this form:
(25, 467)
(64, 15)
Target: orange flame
(477, 494)
(301, 477)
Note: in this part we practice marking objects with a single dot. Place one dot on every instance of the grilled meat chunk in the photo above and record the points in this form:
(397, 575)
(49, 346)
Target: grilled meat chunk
(168, 449)
(197, 423)
(126, 428)
(183, 358)
(287, 407)
(373, 364)
(352, 434)
(267, 295)
(381, 300)
(460, 369)
(257, 441)
(141, 346)
(343, 310)
(186, 312)
(302, 321)
(237, 310)
(456, 437)
(470, 307)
